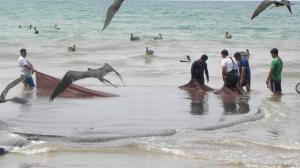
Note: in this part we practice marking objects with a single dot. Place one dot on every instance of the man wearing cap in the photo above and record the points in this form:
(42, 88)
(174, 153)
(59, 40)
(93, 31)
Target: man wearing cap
(274, 77)
(230, 71)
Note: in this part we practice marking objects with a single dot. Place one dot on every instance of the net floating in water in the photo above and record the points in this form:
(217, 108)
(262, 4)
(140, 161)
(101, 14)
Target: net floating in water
(46, 84)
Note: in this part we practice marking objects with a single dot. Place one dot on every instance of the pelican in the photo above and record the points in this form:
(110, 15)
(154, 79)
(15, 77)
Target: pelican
(149, 52)
(187, 59)
(134, 38)
(266, 3)
(228, 35)
(72, 48)
(36, 31)
(10, 86)
(245, 54)
(72, 76)
(56, 27)
(111, 11)
(159, 37)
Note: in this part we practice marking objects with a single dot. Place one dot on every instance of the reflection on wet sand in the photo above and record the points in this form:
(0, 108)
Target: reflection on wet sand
(199, 105)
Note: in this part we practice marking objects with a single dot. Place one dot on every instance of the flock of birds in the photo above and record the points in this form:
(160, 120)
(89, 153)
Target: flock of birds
(72, 76)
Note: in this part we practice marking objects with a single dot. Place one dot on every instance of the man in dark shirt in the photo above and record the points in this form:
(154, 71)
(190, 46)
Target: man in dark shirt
(198, 69)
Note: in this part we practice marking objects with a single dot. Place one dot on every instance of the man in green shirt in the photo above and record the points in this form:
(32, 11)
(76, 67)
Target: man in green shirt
(274, 77)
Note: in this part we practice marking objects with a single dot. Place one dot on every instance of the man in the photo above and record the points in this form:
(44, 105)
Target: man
(230, 71)
(198, 69)
(244, 68)
(274, 77)
(27, 69)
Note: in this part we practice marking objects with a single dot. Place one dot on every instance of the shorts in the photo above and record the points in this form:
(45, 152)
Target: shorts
(276, 86)
(29, 82)
(231, 81)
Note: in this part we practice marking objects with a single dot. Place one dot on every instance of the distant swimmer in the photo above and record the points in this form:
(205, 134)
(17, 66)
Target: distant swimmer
(198, 69)
(72, 76)
(72, 48)
(149, 52)
(134, 38)
(266, 3)
(111, 11)
(274, 77)
(56, 27)
(228, 35)
(159, 37)
(186, 59)
(36, 31)
(30, 26)
(27, 69)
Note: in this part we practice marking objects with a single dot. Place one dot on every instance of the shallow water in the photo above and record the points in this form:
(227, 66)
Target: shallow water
(152, 123)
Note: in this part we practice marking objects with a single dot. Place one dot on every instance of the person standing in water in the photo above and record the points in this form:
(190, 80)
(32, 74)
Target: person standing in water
(27, 69)
(198, 69)
(274, 77)
(230, 71)
(244, 68)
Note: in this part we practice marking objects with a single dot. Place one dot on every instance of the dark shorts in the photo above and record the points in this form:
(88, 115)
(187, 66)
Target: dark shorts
(29, 82)
(231, 81)
(276, 86)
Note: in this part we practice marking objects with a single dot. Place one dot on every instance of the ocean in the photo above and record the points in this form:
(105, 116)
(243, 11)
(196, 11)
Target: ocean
(153, 123)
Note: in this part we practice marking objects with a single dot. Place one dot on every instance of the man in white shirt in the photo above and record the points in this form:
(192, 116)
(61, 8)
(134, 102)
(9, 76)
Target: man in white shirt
(27, 69)
(230, 71)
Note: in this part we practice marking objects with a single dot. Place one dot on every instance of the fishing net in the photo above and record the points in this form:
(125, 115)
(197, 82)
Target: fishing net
(46, 84)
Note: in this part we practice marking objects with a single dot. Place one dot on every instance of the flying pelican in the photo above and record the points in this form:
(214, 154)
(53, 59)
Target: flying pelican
(159, 37)
(134, 38)
(266, 3)
(111, 11)
(72, 76)
(8, 87)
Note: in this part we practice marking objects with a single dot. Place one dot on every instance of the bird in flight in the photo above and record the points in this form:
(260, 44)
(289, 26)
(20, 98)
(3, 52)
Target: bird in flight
(72, 76)
(266, 3)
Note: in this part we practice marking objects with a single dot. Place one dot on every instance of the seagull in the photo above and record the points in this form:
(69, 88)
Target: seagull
(149, 52)
(10, 86)
(111, 11)
(134, 38)
(159, 37)
(266, 3)
(72, 76)
(72, 48)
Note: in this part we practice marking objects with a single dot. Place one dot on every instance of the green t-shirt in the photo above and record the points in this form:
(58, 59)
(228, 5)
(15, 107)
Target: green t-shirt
(276, 67)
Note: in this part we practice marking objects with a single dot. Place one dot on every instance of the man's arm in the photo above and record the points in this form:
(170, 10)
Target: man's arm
(223, 72)
(269, 75)
(206, 73)
(243, 75)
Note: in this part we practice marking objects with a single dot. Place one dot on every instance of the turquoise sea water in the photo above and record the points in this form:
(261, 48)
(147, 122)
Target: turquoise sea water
(153, 123)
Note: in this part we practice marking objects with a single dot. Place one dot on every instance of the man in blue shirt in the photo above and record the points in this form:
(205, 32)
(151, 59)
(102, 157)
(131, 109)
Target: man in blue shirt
(245, 75)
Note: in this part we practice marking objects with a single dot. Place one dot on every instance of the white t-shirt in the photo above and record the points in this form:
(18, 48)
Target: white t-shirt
(24, 70)
(227, 62)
